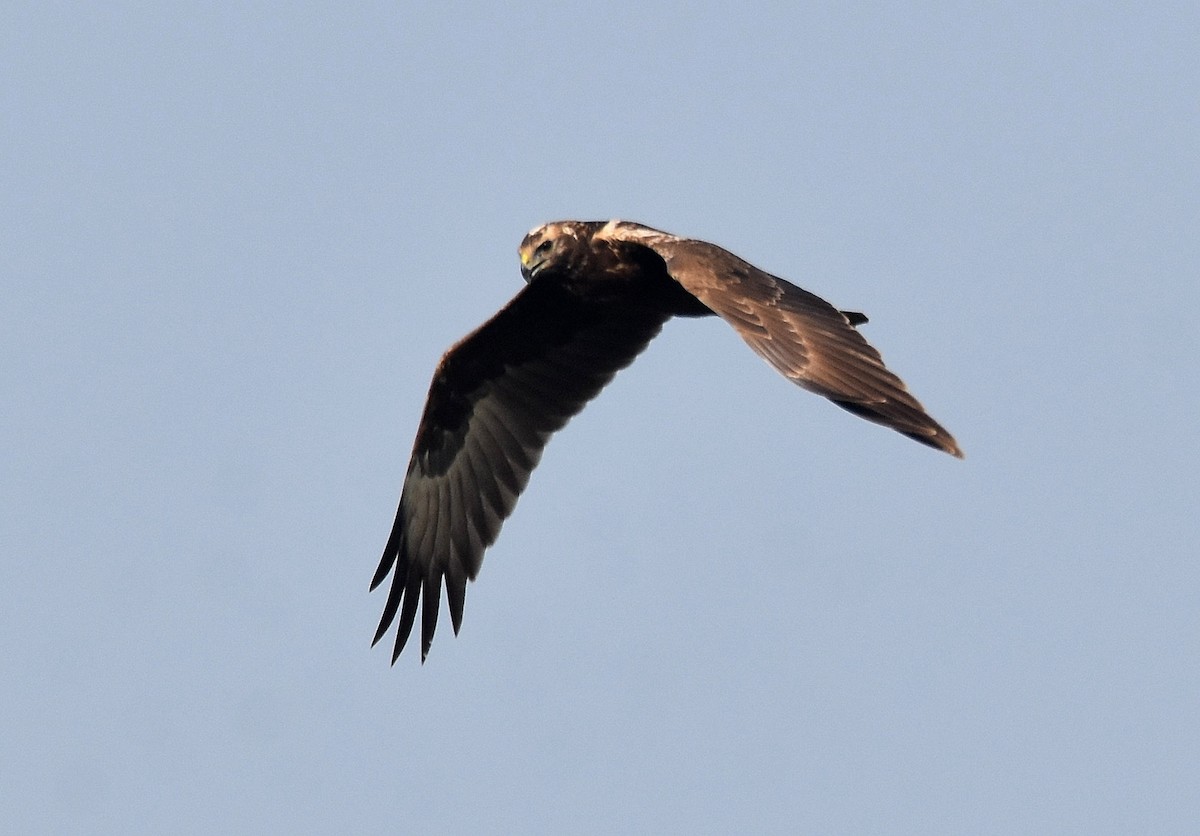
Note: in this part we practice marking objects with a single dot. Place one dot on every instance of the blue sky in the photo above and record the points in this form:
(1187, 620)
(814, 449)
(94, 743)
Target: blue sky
(234, 242)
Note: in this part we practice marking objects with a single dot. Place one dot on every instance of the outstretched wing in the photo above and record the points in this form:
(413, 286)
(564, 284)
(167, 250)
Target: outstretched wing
(805, 338)
(496, 398)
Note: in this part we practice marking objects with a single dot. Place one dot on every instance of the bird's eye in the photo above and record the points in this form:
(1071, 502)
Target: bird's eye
(544, 247)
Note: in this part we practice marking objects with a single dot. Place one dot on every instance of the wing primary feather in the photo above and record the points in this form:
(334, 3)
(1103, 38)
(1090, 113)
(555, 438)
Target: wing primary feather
(395, 593)
(456, 594)
(408, 612)
(389, 551)
(431, 594)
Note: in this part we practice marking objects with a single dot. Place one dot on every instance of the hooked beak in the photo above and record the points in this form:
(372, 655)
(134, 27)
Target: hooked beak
(529, 264)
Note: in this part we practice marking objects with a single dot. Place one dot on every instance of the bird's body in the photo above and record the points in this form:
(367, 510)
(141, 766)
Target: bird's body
(596, 294)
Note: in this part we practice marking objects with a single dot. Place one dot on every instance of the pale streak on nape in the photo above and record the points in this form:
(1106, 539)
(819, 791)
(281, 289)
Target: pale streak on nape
(610, 228)
(540, 230)
(555, 229)
(619, 230)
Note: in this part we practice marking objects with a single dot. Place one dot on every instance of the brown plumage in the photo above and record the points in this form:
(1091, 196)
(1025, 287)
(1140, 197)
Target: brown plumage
(596, 294)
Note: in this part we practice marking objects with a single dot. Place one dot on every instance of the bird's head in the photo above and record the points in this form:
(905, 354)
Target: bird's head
(553, 248)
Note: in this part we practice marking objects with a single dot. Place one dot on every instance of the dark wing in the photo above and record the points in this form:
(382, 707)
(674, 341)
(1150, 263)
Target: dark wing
(808, 340)
(496, 398)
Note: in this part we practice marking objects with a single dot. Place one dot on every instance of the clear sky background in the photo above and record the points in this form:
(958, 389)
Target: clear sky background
(235, 239)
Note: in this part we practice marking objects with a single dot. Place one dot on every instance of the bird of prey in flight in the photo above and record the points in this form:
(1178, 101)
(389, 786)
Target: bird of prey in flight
(595, 294)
